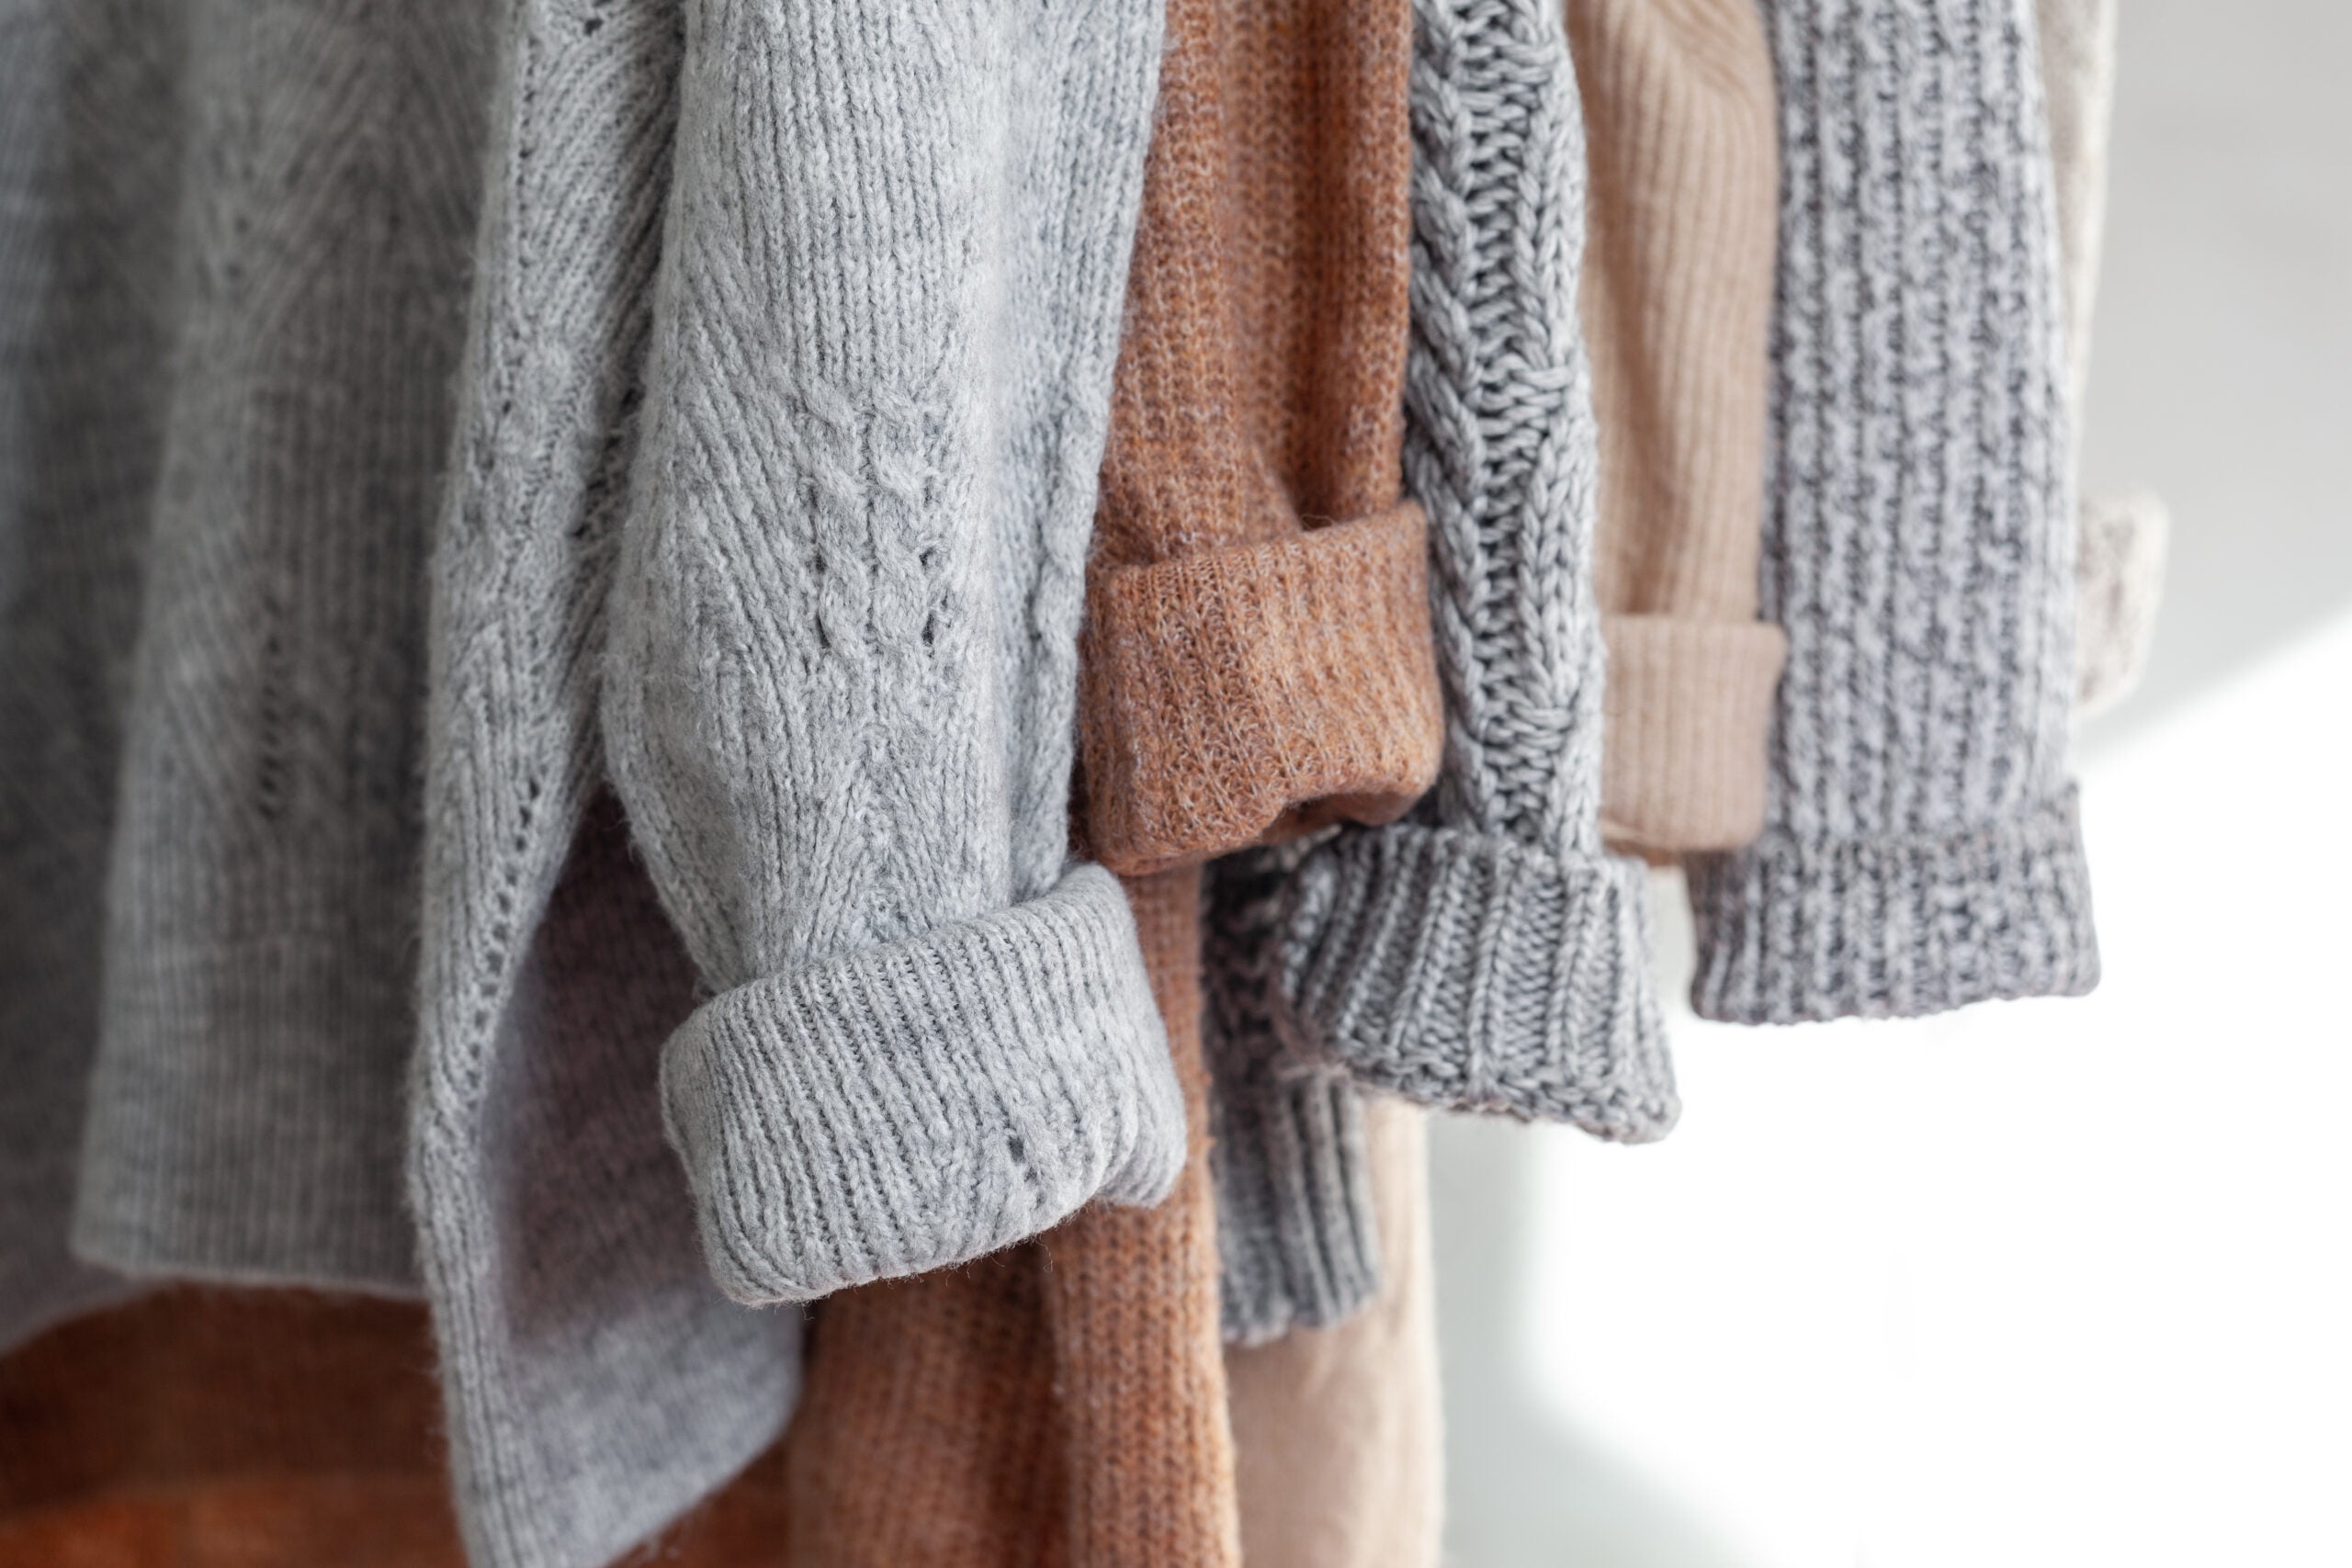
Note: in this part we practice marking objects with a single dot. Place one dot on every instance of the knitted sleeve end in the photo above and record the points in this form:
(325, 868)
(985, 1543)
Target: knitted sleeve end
(1238, 694)
(918, 1104)
(1469, 972)
(1793, 931)
(1297, 1228)
(1684, 753)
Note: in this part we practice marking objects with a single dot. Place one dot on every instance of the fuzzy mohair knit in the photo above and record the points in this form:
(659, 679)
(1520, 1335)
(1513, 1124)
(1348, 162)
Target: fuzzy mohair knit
(1488, 953)
(1256, 659)
(1921, 849)
(1682, 141)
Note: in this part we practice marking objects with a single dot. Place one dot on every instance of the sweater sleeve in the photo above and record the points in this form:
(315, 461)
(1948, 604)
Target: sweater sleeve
(843, 626)
(1921, 851)
(1488, 954)
(1678, 293)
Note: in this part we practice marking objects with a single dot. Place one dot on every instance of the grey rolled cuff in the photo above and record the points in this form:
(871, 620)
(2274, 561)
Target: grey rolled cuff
(1470, 972)
(1297, 1224)
(1791, 931)
(918, 1104)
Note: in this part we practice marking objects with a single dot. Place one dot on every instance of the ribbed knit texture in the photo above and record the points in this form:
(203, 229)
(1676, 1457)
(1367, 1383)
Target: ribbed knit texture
(1488, 954)
(2121, 562)
(1683, 142)
(1063, 1403)
(1922, 849)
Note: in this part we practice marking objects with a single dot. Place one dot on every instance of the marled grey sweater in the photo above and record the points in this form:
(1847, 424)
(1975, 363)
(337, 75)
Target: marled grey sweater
(756, 479)
(1921, 851)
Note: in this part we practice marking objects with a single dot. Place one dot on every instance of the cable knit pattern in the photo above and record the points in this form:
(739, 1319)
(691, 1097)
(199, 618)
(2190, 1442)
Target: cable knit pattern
(1922, 849)
(1488, 953)
(816, 695)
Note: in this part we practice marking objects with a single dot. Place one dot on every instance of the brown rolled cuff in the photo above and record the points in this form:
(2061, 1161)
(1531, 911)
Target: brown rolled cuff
(1244, 695)
(1687, 711)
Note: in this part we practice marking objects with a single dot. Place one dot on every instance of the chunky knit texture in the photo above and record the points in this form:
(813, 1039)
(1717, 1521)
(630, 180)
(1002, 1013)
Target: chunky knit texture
(1488, 954)
(1922, 850)
(1678, 292)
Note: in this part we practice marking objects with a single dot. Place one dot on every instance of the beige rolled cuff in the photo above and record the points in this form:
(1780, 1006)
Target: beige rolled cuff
(1689, 707)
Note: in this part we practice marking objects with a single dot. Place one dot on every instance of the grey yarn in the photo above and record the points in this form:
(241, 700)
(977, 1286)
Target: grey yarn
(930, 1040)
(845, 575)
(1488, 953)
(1922, 849)
(1297, 1231)
(230, 296)
(285, 522)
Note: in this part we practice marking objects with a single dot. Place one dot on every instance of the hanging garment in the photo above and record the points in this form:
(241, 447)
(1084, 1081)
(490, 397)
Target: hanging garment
(1922, 849)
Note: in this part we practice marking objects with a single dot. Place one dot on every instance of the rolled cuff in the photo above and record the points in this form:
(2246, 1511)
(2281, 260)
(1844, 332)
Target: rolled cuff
(1790, 932)
(918, 1104)
(1683, 750)
(1244, 693)
(1472, 973)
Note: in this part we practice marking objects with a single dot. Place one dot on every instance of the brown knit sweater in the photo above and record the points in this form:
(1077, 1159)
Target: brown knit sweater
(1256, 661)
(1683, 144)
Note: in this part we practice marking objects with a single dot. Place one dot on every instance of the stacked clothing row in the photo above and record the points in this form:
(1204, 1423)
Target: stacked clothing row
(665, 658)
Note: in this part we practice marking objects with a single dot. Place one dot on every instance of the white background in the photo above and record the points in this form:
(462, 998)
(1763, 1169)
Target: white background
(2061, 1283)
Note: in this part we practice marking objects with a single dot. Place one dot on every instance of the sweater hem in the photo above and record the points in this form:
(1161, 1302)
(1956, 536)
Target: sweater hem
(1795, 930)
(1295, 1200)
(920, 1103)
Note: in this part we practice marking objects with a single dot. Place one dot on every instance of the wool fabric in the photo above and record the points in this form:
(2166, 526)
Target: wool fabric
(377, 381)
(1256, 659)
(1922, 849)
(1488, 954)
(1682, 142)
(2120, 559)
(840, 504)
(1338, 1429)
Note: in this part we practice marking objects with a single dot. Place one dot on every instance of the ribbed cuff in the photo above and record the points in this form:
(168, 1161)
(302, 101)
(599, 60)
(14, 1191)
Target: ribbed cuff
(921, 1103)
(1297, 1227)
(1792, 932)
(2119, 577)
(1238, 691)
(1470, 972)
(1689, 709)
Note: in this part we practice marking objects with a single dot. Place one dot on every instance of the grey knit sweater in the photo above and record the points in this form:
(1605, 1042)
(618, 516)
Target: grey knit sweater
(1488, 953)
(835, 696)
(756, 479)
(1921, 851)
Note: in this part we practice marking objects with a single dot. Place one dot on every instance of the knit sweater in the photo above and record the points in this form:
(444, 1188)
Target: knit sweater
(287, 523)
(1256, 659)
(844, 574)
(1921, 848)
(1488, 953)
(1678, 289)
